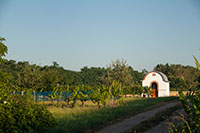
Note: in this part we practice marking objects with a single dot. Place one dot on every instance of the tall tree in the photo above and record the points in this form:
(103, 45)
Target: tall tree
(4, 77)
(119, 71)
(29, 77)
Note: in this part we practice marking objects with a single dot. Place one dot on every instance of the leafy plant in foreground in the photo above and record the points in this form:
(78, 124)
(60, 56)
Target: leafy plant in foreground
(20, 114)
(191, 105)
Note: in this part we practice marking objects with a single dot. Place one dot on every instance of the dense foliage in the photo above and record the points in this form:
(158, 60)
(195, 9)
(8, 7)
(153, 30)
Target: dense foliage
(20, 114)
(180, 77)
(191, 104)
(26, 75)
(115, 82)
(119, 71)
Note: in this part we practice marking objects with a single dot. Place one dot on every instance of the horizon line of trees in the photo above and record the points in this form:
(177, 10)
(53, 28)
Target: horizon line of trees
(31, 76)
(45, 78)
(180, 77)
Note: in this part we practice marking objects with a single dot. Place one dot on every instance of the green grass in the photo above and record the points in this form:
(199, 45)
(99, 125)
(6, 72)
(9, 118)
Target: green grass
(90, 119)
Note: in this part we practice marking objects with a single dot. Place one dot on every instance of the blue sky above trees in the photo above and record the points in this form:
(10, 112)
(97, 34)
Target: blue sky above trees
(81, 33)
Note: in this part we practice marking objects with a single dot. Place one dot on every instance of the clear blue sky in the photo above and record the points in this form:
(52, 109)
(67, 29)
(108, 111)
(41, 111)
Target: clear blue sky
(78, 33)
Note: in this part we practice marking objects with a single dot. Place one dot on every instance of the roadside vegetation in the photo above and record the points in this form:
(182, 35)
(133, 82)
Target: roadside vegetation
(190, 123)
(90, 119)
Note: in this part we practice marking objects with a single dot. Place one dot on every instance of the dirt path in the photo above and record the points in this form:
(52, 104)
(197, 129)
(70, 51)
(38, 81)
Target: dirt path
(163, 127)
(129, 123)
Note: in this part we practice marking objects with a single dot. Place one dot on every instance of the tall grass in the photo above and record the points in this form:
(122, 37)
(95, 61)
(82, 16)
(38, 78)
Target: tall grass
(91, 119)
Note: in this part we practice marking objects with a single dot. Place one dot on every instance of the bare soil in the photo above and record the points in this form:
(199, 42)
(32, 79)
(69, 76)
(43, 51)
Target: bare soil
(129, 123)
(163, 126)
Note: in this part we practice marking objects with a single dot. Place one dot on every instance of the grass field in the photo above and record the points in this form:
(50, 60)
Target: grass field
(90, 119)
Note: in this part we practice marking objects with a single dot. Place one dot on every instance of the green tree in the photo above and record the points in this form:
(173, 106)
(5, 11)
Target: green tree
(29, 77)
(100, 95)
(137, 77)
(118, 70)
(116, 92)
(4, 77)
(75, 95)
(181, 77)
(118, 75)
(3, 49)
(91, 76)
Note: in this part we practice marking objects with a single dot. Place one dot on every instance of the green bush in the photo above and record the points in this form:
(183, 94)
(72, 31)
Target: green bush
(19, 114)
(191, 105)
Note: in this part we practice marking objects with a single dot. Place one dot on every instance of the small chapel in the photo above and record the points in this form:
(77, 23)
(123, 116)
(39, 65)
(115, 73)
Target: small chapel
(158, 82)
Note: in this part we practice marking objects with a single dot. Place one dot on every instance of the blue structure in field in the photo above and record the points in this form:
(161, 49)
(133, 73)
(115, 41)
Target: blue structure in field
(45, 96)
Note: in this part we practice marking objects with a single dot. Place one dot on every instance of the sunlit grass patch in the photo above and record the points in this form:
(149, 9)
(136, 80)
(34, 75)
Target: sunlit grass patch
(90, 118)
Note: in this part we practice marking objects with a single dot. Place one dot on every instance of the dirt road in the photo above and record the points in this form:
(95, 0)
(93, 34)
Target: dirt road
(129, 123)
(163, 126)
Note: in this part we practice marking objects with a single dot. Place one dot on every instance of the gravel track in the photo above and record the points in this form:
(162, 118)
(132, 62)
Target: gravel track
(129, 123)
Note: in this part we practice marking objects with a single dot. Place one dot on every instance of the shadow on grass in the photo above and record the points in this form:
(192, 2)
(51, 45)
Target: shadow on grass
(93, 120)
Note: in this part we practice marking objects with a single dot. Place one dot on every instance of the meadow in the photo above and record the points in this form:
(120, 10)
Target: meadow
(89, 118)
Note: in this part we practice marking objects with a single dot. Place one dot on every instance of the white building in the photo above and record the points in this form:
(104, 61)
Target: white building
(159, 83)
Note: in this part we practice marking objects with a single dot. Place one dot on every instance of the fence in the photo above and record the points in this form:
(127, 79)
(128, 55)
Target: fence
(45, 96)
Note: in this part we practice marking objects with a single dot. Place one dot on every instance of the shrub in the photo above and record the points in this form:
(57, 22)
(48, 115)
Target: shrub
(19, 114)
(191, 105)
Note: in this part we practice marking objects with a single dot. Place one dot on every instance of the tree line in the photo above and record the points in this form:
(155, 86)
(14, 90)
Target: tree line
(31, 76)
(25, 75)
(180, 77)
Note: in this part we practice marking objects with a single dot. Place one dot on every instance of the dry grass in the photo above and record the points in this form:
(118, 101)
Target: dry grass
(90, 118)
(89, 106)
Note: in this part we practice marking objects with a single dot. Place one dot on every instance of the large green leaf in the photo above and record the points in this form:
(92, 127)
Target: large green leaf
(197, 63)
(181, 95)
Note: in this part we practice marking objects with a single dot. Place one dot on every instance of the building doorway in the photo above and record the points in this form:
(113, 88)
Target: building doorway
(154, 87)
